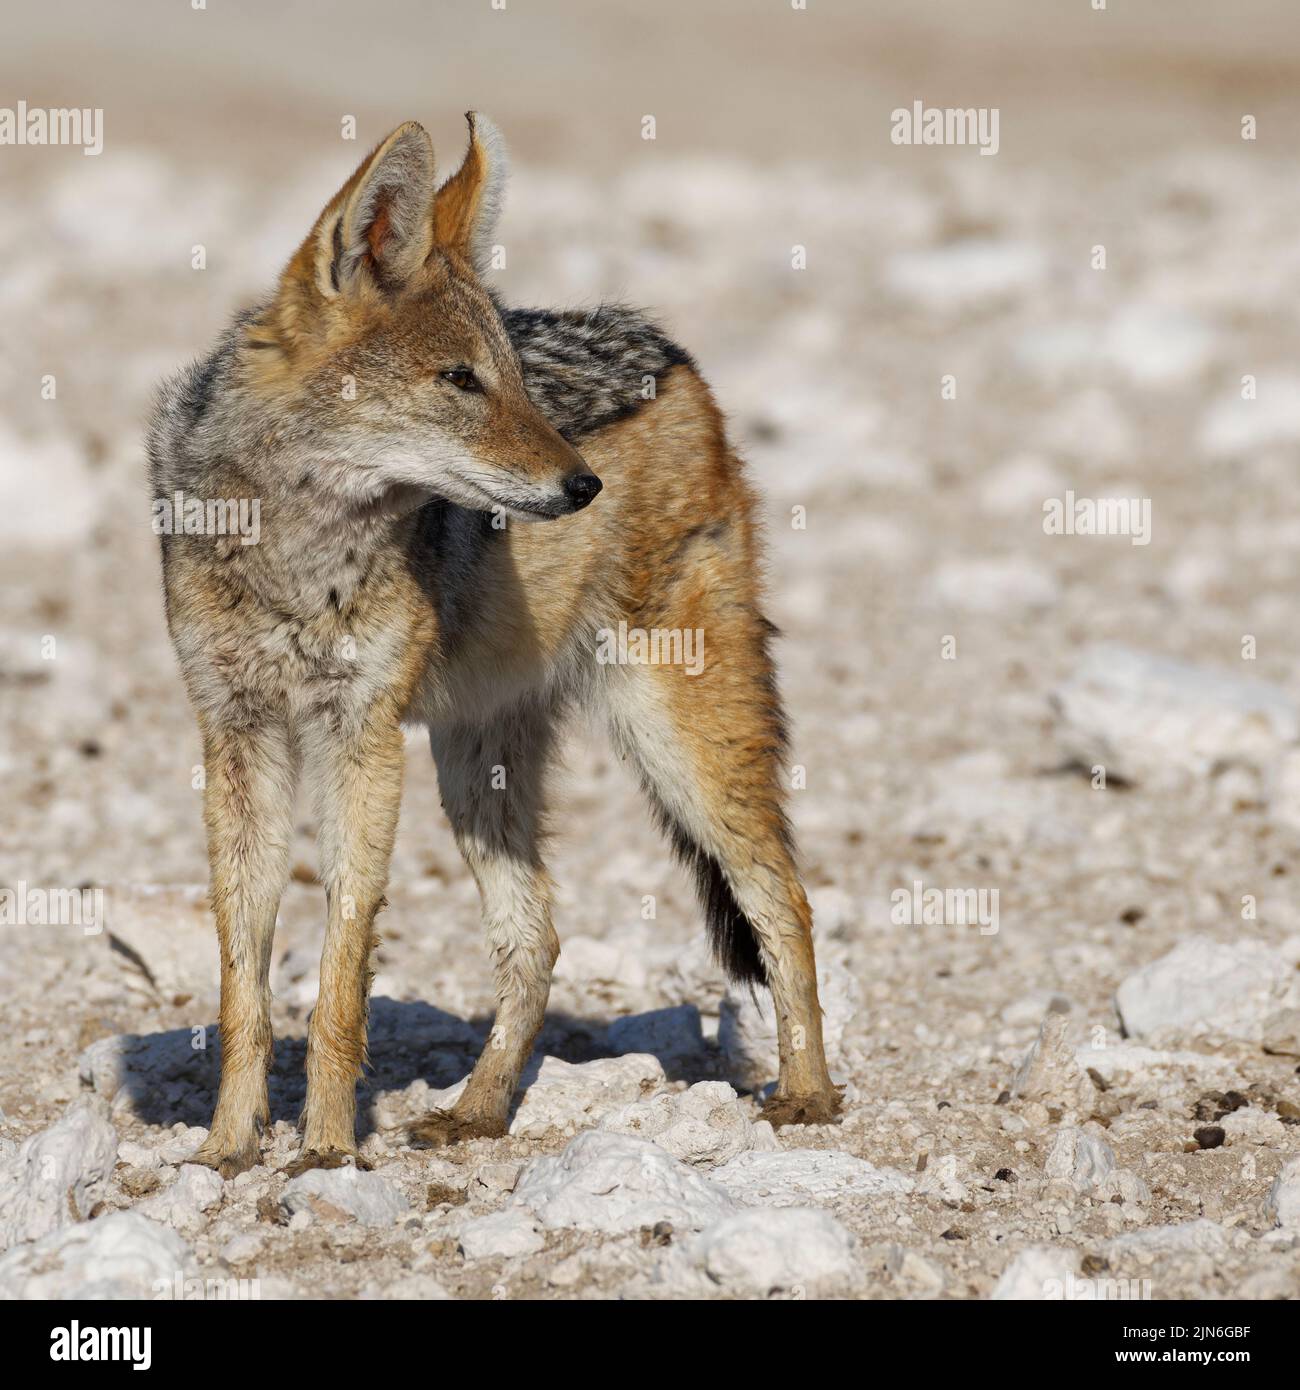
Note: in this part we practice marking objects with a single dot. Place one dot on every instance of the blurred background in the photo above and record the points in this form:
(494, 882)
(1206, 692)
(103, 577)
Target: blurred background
(1120, 128)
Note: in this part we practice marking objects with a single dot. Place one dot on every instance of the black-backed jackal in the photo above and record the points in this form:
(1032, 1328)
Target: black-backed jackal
(398, 428)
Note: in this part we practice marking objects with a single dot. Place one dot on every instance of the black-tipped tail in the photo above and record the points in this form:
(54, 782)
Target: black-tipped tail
(731, 934)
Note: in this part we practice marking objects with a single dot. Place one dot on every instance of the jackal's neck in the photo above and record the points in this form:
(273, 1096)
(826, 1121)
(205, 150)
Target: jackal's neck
(316, 555)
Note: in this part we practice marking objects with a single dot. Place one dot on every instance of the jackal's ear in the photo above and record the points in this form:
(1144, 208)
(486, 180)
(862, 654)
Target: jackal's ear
(466, 207)
(377, 225)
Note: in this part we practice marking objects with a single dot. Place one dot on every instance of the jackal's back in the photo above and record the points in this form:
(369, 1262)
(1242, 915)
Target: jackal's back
(586, 368)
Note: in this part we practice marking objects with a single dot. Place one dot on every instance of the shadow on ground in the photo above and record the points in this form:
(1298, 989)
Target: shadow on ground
(172, 1076)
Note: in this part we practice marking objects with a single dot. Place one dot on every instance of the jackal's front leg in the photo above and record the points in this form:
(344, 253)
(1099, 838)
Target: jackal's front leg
(497, 826)
(357, 777)
(248, 805)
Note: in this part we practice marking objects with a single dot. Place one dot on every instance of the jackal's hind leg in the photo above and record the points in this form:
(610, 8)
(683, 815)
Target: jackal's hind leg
(490, 779)
(357, 780)
(708, 748)
(248, 806)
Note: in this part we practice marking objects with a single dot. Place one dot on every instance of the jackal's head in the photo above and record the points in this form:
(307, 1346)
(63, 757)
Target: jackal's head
(383, 359)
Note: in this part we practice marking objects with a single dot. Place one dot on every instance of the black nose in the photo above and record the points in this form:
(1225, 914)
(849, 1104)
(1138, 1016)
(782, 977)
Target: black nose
(581, 488)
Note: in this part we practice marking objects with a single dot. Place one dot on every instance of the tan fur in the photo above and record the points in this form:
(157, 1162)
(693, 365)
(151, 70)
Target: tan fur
(311, 648)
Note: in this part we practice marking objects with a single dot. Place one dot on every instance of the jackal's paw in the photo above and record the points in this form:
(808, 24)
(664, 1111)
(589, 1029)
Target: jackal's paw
(820, 1109)
(324, 1158)
(440, 1128)
(228, 1162)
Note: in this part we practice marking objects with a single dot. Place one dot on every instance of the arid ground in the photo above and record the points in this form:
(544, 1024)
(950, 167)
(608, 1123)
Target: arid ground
(1094, 739)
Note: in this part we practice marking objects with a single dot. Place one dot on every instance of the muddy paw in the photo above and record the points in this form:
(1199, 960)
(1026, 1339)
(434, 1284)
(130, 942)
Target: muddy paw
(324, 1158)
(440, 1128)
(803, 1110)
(229, 1163)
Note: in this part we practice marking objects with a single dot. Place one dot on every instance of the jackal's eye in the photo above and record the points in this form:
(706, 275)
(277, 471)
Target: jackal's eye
(462, 378)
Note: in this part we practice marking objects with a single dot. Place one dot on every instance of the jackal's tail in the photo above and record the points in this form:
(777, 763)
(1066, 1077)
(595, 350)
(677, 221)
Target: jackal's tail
(731, 934)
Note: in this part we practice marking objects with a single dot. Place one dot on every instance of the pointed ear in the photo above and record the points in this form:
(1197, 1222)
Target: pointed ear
(466, 207)
(377, 225)
(375, 233)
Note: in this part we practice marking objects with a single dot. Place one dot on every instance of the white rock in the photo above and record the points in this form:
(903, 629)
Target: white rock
(1020, 486)
(1206, 986)
(1283, 783)
(974, 271)
(796, 1177)
(409, 1288)
(297, 977)
(994, 586)
(610, 1182)
(1148, 343)
(704, 1125)
(1233, 427)
(568, 1272)
(942, 1179)
(48, 496)
(138, 1155)
(509, 1232)
(161, 940)
(245, 1246)
(1080, 1158)
(584, 960)
(671, 1035)
(53, 1178)
(1282, 1033)
(1038, 1274)
(1157, 346)
(571, 1096)
(1156, 720)
(180, 1147)
(443, 1098)
(692, 974)
(1251, 1126)
(1282, 1205)
(1124, 1186)
(183, 1204)
(1130, 1062)
(123, 1255)
(747, 1024)
(1050, 1071)
(758, 1254)
(1193, 575)
(913, 1269)
(834, 911)
(974, 794)
(1274, 1283)
(344, 1194)
(1201, 1236)
(489, 1181)
(1090, 426)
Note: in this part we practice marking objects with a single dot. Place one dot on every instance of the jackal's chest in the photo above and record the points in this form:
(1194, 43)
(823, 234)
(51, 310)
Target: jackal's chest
(306, 651)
